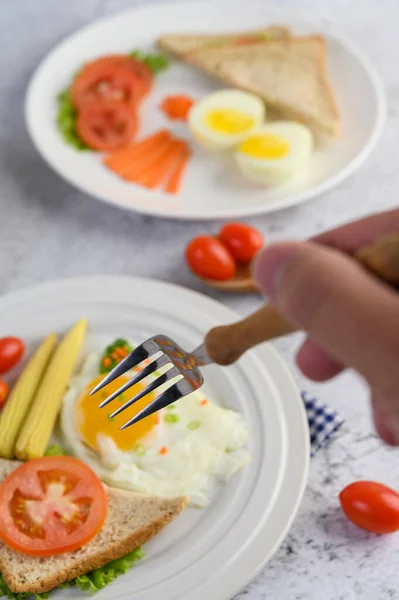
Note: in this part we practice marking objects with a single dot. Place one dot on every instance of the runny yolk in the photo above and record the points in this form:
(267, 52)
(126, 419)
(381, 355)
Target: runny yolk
(92, 420)
(265, 145)
(227, 120)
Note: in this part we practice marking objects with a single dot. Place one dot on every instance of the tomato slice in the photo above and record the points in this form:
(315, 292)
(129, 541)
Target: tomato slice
(106, 125)
(51, 505)
(143, 74)
(108, 82)
(11, 351)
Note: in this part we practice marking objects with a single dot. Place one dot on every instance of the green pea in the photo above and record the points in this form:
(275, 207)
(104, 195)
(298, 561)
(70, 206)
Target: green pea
(171, 418)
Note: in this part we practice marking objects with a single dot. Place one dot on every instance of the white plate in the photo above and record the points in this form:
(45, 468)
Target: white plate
(213, 552)
(212, 189)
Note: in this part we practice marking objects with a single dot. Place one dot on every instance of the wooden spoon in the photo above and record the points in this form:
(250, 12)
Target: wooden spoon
(242, 282)
(227, 343)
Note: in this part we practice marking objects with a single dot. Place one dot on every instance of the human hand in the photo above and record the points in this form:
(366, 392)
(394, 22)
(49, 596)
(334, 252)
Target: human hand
(351, 318)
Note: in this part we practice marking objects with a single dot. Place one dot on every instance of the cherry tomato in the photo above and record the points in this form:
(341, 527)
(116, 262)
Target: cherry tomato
(209, 258)
(106, 125)
(243, 241)
(39, 518)
(371, 506)
(106, 82)
(143, 74)
(3, 392)
(11, 351)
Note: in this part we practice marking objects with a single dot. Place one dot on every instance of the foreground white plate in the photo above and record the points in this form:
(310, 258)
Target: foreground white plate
(212, 189)
(209, 553)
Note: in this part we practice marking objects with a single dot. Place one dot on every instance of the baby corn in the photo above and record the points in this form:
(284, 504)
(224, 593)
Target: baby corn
(22, 395)
(36, 431)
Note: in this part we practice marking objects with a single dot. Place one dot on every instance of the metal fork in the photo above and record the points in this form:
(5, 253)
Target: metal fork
(183, 366)
(224, 345)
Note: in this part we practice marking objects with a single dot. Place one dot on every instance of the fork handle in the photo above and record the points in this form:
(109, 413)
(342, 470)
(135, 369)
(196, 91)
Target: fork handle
(227, 343)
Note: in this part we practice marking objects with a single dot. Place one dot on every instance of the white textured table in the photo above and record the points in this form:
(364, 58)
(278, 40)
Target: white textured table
(48, 230)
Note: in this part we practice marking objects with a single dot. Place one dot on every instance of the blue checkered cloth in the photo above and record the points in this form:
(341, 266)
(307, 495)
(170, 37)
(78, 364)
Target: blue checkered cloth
(323, 421)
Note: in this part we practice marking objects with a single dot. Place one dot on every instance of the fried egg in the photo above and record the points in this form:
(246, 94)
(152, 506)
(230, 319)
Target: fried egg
(185, 449)
(221, 120)
(275, 153)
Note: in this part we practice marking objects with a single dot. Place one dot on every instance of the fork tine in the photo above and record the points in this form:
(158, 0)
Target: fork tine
(156, 364)
(169, 396)
(171, 374)
(132, 360)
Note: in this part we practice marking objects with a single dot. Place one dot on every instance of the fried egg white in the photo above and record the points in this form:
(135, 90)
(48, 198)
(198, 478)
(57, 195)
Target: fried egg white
(184, 449)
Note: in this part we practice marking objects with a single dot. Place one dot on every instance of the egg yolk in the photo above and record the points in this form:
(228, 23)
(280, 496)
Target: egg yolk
(265, 145)
(92, 420)
(229, 121)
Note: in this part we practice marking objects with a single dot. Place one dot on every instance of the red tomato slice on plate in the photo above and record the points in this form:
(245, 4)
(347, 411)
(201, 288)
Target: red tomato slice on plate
(106, 125)
(107, 82)
(51, 505)
(143, 74)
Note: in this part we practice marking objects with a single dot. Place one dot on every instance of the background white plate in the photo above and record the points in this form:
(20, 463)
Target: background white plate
(212, 188)
(208, 553)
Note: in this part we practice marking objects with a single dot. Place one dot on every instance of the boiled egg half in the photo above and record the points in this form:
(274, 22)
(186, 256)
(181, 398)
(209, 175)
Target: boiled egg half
(222, 119)
(276, 153)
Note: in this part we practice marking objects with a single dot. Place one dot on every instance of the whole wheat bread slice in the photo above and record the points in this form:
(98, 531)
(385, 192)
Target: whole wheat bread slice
(182, 44)
(131, 521)
(289, 75)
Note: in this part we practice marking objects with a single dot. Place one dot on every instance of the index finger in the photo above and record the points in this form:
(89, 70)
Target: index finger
(348, 238)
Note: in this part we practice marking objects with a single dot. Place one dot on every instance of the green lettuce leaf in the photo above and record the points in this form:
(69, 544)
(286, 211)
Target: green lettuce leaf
(96, 580)
(155, 62)
(66, 121)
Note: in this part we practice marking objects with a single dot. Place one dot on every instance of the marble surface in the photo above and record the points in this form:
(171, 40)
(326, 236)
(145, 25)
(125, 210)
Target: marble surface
(48, 230)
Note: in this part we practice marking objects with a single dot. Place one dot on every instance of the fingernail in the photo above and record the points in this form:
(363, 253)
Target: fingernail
(270, 264)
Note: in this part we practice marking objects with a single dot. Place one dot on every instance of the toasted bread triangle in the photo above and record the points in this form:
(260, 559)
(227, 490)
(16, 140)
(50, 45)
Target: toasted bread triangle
(131, 521)
(182, 44)
(289, 75)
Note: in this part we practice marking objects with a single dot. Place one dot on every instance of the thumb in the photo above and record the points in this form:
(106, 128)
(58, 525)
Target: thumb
(343, 308)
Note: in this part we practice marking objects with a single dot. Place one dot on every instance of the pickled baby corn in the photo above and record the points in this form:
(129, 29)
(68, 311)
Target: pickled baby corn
(22, 395)
(36, 431)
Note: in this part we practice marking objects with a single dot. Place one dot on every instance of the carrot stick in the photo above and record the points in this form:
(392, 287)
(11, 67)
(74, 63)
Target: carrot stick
(148, 162)
(129, 166)
(117, 162)
(154, 177)
(143, 143)
(174, 182)
(137, 162)
(156, 172)
(124, 155)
